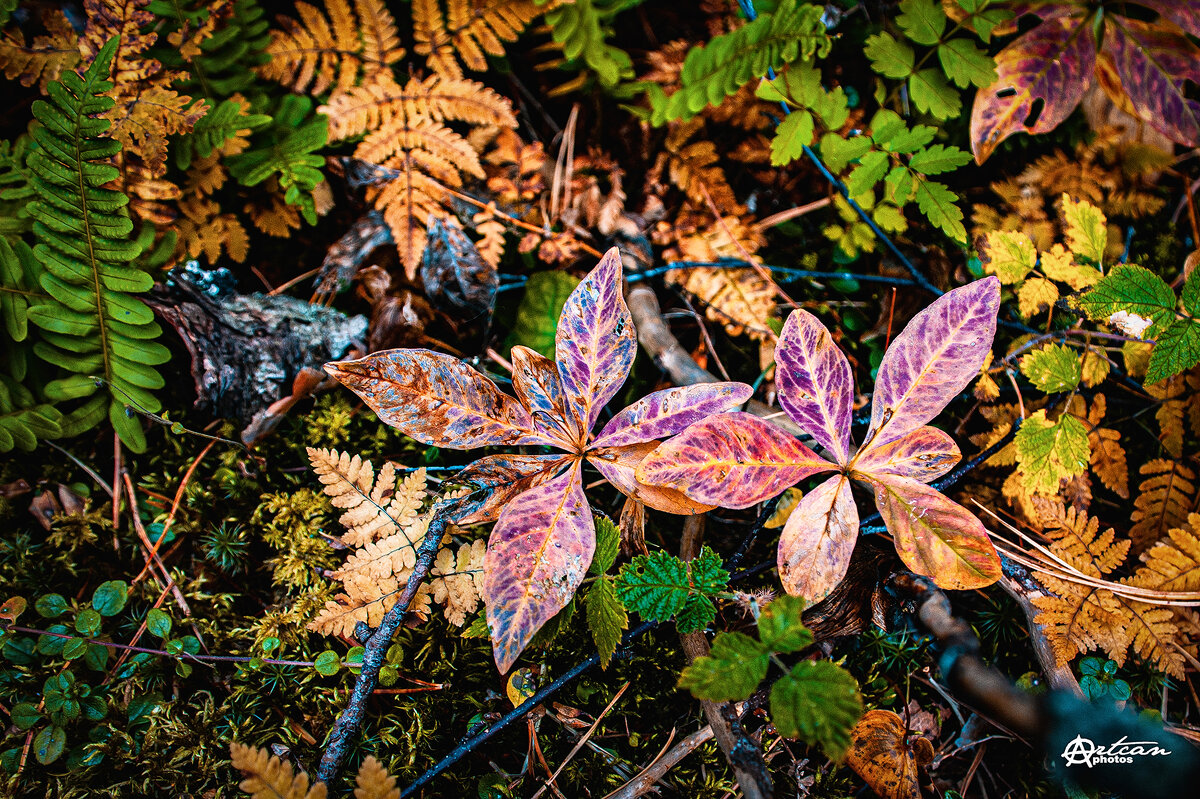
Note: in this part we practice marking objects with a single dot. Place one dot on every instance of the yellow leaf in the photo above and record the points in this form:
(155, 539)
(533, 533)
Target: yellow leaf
(1035, 294)
(1009, 255)
(1086, 229)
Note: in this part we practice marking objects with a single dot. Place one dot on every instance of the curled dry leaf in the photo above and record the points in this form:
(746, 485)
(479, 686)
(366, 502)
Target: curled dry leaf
(880, 754)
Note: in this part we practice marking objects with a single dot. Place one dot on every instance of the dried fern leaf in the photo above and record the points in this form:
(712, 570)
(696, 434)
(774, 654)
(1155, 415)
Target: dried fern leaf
(43, 59)
(469, 30)
(374, 508)
(373, 781)
(457, 580)
(269, 777)
(1165, 499)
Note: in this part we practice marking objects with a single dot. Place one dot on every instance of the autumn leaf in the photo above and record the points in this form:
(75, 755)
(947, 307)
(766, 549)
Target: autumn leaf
(814, 381)
(818, 540)
(880, 752)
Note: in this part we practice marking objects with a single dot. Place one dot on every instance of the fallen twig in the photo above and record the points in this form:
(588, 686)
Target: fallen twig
(644, 782)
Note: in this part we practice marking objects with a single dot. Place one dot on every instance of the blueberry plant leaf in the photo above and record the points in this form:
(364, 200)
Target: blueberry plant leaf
(815, 384)
(734, 460)
(538, 554)
(936, 536)
(536, 383)
(619, 466)
(667, 412)
(1154, 65)
(818, 540)
(924, 455)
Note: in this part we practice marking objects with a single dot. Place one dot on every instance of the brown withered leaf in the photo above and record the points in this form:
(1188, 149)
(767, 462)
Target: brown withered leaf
(882, 755)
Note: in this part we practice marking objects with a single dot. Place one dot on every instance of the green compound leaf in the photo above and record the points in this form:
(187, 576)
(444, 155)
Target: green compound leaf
(659, 587)
(936, 201)
(580, 28)
(1049, 452)
(818, 703)
(889, 58)
(838, 152)
(792, 135)
(922, 20)
(967, 65)
(780, 628)
(1053, 368)
(732, 670)
(606, 618)
(870, 170)
(932, 94)
(938, 158)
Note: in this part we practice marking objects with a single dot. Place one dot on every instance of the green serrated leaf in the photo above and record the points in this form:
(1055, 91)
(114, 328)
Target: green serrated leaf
(780, 628)
(838, 152)
(966, 64)
(922, 20)
(608, 545)
(870, 170)
(933, 95)
(938, 158)
(606, 618)
(792, 135)
(1134, 290)
(732, 669)
(1053, 368)
(889, 58)
(818, 703)
(1176, 350)
(937, 203)
(1049, 452)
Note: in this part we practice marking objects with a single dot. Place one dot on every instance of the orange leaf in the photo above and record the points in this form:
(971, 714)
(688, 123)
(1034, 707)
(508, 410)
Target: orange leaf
(879, 754)
(818, 539)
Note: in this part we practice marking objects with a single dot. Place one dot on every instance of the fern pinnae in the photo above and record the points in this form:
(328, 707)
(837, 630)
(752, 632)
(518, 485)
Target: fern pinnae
(93, 326)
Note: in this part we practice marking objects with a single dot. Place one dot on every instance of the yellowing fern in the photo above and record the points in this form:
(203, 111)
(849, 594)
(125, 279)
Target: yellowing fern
(407, 133)
(384, 524)
(1165, 500)
(469, 30)
(332, 50)
(271, 777)
(43, 59)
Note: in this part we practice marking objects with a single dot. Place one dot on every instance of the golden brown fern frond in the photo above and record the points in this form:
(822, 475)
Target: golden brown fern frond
(373, 781)
(469, 30)
(43, 59)
(335, 49)
(203, 229)
(374, 507)
(1165, 499)
(1172, 564)
(457, 580)
(409, 135)
(270, 777)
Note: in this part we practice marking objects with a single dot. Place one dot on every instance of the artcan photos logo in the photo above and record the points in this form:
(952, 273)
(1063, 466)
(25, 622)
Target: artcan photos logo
(1084, 752)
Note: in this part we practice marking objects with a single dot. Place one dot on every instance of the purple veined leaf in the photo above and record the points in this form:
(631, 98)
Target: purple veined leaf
(1154, 66)
(733, 460)
(816, 387)
(538, 386)
(924, 455)
(595, 342)
(1184, 14)
(619, 467)
(503, 477)
(1042, 9)
(665, 413)
(818, 540)
(936, 536)
(437, 400)
(1052, 63)
(538, 554)
(933, 359)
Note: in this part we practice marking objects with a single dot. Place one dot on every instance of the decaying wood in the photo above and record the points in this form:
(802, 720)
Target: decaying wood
(250, 351)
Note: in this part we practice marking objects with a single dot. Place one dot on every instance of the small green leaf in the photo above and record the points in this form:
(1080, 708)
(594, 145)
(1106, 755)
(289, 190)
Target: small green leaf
(537, 315)
(792, 135)
(1049, 452)
(922, 20)
(659, 587)
(870, 170)
(818, 703)
(606, 618)
(87, 622)
(25, 714)
(838, 152)
(48, 745)
(327, 663)
(933, 95)
(50, 606)
(1135, 290)
(1176, 350)
(158, 622)
(889, 58)
(780, 628)
(936, 201)
(1053, 368)
(965, 64)
(938, 158)
(109, 598)
(96, 657)
(732, 670)
(608, 544)
(74, 648)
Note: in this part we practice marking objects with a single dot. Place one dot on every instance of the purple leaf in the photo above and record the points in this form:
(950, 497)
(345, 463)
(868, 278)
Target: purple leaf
(437, 400)
(538, 554)
(503, 477)
(665, 413)
(924, 455)
(818, 540)
(537, 384)
(1155, 65)
(1186, 15)
(816, 387)
(619, 467)
(733, 460)
(936, 536)
(934, 358)
(595, 342)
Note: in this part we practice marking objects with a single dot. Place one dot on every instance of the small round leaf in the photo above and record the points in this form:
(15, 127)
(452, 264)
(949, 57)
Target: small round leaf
(48, 745)
(327, 663)
(110, 597)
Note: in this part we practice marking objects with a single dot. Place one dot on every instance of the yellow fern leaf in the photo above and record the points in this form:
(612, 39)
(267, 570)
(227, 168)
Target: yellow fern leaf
(44, 59)
(270, 777)
(470, 30)
(458, 579)
(319, 51)
(1172, 564)
(276, 218)
(374, 783)
(1165, 499)
(374, 508)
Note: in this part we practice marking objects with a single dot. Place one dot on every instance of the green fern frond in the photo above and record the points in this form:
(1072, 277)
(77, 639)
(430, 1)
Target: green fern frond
(581, 28)
(290, 156)
(228, 56)
(211, 131)
(15, 191)
(718, 69)
(92, 326)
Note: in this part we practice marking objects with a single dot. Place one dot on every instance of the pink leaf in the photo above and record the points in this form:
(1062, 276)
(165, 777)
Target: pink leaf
(619, 467)
(538, 386)
(595, 342)
(437, 400)
(501, 478)
(934, 358)
(936, 536)
(924, 455)
(816, 387)
(1155, 65)
(1185, 15)
(537, 556)
(733, 460)
(818, 540)
(665, 413)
